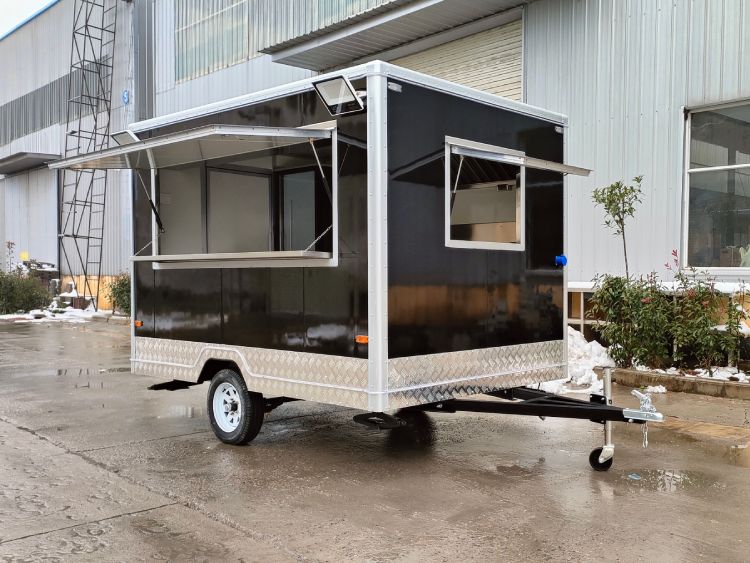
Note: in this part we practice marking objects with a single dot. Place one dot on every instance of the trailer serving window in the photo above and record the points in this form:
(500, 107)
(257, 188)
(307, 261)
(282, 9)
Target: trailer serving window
(234, 196)
(484, 196)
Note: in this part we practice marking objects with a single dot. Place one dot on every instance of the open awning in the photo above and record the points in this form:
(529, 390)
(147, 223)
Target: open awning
(20, 161)
(194, 145)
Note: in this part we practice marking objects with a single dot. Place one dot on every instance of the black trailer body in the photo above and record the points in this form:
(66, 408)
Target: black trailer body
(399, 243)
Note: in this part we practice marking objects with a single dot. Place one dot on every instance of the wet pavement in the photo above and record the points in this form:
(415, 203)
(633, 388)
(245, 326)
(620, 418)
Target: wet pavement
(93, 466)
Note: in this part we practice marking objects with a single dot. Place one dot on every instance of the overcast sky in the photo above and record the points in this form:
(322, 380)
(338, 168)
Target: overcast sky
(13, 12)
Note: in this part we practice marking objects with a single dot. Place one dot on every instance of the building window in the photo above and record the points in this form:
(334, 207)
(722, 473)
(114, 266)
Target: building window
(484, 197)
(210, 36)
(718, 180)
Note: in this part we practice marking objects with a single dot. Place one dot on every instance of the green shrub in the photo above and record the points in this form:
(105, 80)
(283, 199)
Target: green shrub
(645, 325)
(20, 293)
(119, 292)
(698, 308)
(636, 318)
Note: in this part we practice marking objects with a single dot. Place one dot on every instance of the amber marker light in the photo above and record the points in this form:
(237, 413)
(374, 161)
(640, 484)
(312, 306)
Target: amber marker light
(138, 324)
(361, 339)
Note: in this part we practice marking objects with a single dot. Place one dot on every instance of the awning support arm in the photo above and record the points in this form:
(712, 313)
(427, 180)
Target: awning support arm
(458, 175)
(309, 247)
(322, 173)
(145, 246)
(151, 203)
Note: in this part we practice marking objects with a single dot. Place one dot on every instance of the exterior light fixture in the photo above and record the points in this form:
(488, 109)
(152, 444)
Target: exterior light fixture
(338, 95)
(125, 137)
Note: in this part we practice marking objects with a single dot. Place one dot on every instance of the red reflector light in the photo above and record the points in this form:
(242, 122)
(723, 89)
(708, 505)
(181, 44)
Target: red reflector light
(361, 339)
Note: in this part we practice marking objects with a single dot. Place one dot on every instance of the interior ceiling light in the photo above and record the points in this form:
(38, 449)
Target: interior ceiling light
(338, 95)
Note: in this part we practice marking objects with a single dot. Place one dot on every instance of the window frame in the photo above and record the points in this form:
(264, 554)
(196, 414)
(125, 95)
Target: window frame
(687, 172)
(494, 153)
(188, 63)
(256, 259)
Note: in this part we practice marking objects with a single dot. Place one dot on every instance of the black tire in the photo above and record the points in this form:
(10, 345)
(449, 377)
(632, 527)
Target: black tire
(594, 461)
(232, 391)
(418, 432)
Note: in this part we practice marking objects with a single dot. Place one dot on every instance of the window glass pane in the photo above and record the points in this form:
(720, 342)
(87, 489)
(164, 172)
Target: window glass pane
(719, 219)
(299, 210)
(239, 212)
(485, 201)
(720, 137)
(181, 211)
(210, 36)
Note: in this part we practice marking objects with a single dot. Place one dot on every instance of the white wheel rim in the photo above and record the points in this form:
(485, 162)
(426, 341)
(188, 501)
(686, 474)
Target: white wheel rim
(227, 407)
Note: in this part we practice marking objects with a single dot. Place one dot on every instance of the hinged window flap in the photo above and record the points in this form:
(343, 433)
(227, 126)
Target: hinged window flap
(195, 145)
(511, 156)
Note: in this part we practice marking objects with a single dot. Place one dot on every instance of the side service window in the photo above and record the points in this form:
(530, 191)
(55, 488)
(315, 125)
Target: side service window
(484, 197)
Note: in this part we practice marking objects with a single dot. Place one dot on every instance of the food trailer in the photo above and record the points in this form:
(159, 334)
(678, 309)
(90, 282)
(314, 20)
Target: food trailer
(374, 237)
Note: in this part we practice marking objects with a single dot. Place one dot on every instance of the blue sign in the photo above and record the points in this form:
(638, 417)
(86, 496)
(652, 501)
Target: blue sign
(126, 97)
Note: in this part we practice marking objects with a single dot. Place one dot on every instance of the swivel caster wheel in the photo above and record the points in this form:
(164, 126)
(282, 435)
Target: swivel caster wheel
(596, 464)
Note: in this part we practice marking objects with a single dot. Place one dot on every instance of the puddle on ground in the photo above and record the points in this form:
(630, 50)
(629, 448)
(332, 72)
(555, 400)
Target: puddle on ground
(669, 480)
(90, 385)
(183, 411)
(520, 470)
(76, 372)
(740, 455)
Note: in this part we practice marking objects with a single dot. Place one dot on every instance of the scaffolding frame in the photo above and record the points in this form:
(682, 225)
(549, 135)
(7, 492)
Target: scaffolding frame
(83, 193)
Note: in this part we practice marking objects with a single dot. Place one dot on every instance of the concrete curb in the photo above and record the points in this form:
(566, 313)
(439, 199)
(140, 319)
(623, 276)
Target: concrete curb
(681, 383)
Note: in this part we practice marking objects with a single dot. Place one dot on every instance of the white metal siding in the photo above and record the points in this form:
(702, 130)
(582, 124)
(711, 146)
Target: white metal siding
(491, 61)
(29, 216)
(257, 73)
(621, 72)
(37, 53)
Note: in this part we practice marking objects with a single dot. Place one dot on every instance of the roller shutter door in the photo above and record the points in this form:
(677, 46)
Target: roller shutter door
(491, 61)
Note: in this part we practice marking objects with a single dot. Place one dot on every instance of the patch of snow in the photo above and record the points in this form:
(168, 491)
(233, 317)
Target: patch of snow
(656, 389)
(69, 315)
(583, 357)
(720, 374)
(557, 386)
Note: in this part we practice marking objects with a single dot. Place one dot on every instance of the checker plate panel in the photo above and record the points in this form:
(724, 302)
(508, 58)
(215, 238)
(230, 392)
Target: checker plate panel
(417, 380)
(322, 378)
(343, 381)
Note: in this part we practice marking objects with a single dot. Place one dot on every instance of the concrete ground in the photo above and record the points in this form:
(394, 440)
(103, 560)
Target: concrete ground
(95, 467)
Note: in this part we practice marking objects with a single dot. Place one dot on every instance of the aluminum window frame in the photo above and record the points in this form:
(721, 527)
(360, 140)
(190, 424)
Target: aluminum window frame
(688, 112)
(493, 153)
(225, 260)
(189, 33)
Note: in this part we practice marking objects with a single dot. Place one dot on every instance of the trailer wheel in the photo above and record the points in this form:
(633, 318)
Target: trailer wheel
(418, 430)
(594, 461)
(235, 413)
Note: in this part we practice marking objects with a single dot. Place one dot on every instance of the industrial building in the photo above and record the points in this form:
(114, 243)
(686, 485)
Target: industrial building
(659, 88)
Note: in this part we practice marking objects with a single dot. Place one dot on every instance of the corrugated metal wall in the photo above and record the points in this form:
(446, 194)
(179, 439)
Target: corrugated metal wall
(29, 205)
(28, 214)
(203, 81)
(256, 73)
(621, 71)
(37, 53)
(491, 61)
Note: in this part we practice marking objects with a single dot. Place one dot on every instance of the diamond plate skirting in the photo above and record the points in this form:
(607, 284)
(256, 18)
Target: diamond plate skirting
(343, 381)
(336, 380)
(417, 380)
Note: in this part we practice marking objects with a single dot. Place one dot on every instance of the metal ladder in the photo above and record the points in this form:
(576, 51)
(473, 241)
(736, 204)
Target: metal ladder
(83, 193)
